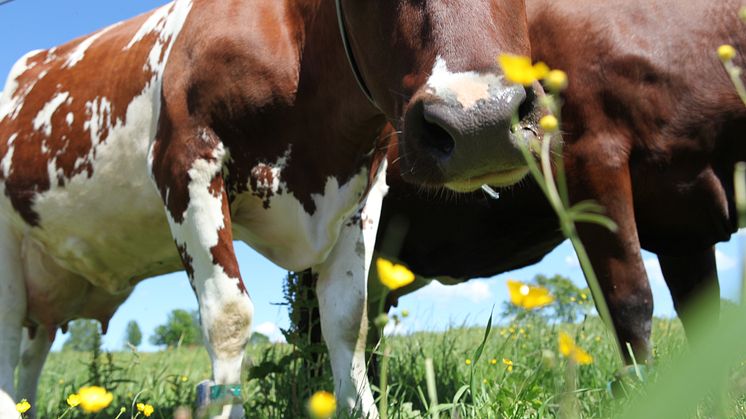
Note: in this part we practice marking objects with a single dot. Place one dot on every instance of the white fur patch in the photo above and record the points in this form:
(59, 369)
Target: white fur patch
(7, 161)
(43, 119)
(78, 53)
(467, 88)
(11, 101)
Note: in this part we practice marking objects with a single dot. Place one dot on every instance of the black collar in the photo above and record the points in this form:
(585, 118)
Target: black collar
(351, 57)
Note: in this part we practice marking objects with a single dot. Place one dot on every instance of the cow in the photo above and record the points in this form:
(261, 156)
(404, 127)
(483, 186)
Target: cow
(652, 130)
(149, 146)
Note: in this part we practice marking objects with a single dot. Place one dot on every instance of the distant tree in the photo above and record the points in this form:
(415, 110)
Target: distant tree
(570, 301)
(258, 338)
(133, 334)
(85, 336)
(182, 328)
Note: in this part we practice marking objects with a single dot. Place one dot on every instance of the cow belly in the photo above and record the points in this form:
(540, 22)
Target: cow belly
(109, 226)
(289, 236)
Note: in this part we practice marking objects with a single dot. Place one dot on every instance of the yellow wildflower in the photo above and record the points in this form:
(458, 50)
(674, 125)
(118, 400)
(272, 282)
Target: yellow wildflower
(493, 361)
(23, 406)
(146, 409)
(518, 69)
(322, 405)
(527, 296)
(508, 363)
(549, 123)
(184, 378)
(572, 299)
(583, 296)
(73, 400)
(405, 313)
(569, 349)
(94, 399)
(468, 361)
(393, 275)
(726, 52)
(556, 81)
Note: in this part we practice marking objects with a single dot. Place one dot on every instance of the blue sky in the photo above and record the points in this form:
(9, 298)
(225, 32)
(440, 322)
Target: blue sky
(35, 24)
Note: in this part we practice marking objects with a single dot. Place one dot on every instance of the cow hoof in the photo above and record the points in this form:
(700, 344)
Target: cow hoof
(626, 380)
(219, 401)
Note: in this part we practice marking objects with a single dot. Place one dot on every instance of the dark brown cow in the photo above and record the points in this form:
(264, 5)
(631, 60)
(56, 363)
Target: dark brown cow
(245, 120)
(652, 130)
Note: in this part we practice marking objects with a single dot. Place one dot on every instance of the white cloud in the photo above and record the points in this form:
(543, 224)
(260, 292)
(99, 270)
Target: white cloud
(270, 330)
(653, 267)
(572, 260)
(724, 261)
(475, 291)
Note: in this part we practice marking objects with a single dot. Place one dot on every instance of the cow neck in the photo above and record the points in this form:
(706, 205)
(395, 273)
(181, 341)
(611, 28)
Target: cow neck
(350, 56)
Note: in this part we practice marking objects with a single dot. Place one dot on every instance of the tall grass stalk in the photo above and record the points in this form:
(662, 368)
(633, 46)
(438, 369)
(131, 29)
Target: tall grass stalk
(567, 215)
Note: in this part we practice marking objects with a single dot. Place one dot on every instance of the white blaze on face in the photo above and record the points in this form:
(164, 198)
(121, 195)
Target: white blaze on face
(467, 88)
(43, 120)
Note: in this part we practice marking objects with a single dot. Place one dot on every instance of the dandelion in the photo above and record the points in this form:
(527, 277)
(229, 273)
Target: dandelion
(549, 123)
(467, 361)
(94, 399)
(726, 52)
(184, 378)
(569, 349)
(23, 406)
(518, 69)
(528, 297)
(509, 364)
(146, 409)
(392, 275)
(73, 400)
(493, 361)
(322, 405)
(556, 81)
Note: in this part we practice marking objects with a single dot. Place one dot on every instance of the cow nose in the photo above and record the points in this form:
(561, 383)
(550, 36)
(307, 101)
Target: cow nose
(446, 141)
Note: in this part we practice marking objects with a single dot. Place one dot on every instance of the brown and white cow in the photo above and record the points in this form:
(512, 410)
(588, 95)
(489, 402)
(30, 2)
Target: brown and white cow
(652, 130)
(245, 120)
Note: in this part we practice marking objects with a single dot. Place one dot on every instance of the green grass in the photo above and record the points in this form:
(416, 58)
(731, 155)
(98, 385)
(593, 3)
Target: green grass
(278, 383)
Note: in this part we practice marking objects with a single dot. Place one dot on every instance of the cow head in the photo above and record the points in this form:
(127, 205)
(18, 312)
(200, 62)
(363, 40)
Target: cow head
(431, 65)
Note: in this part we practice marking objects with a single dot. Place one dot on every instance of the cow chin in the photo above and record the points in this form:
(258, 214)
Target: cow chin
(499, 179)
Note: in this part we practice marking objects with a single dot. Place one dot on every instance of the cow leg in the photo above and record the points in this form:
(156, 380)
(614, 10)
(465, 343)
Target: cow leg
(342, 292)
(33, 355)
(692, 278)
(615, 256)
(12, 314)
(199, 216)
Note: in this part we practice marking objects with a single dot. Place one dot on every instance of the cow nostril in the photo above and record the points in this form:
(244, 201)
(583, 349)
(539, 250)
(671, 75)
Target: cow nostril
(528, 106)
(436, 138)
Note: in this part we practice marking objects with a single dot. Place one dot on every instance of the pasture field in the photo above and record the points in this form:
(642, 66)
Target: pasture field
(519, 375)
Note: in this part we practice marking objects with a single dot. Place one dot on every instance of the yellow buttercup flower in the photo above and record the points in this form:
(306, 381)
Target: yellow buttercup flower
(493, 361)
(73, 400)
(322, 405)
(569, 349)
(528, 297)
(549, 123)
(146, 409)
(518, 69)
(467, 361)
(392, 275)
(726, 52)
(556, 81)
(508, 363)
(94, 399)
(23, 406)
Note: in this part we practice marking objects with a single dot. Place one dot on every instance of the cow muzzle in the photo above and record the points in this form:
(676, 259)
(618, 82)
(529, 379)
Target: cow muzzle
(462, 136)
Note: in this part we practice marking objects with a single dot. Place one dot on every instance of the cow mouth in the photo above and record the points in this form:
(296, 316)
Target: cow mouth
(501, 178)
